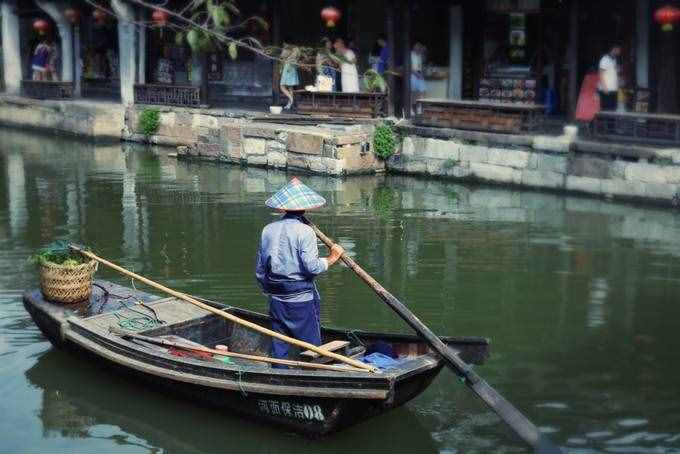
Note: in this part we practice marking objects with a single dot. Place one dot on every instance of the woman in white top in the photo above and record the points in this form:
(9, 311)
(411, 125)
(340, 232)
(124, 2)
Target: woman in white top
(349, 76)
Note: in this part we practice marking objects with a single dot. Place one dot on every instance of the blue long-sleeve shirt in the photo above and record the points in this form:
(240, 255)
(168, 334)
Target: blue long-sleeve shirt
(288, 252)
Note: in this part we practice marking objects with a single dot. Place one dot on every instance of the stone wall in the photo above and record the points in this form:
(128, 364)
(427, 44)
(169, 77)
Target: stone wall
(542, 162)
(285, 147)
(239, 139)
(100, 121)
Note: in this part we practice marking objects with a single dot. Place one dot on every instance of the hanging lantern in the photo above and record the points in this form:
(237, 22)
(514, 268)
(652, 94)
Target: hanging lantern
(331, 15)
(72, 15)
(99, 16)
(41, 26)
(160, 17)
(667, 17)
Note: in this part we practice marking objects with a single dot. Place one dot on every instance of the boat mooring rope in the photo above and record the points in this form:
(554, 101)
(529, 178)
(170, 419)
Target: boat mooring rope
(136, 323)
(139, 322)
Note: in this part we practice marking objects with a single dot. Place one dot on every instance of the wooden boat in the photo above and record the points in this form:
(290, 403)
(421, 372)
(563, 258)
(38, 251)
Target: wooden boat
(313, 402)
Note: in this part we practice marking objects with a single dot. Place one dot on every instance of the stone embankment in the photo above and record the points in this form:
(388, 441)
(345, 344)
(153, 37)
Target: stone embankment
(329, 150)
(101, 121)
(554, 163)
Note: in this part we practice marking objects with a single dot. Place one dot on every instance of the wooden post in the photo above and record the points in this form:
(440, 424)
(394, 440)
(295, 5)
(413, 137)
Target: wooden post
(391, 37)
(573, 57)
(276, 41)
(406, 52)
(204, 79)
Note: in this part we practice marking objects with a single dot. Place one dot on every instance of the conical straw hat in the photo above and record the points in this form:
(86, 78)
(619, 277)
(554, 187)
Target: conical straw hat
(295, 196)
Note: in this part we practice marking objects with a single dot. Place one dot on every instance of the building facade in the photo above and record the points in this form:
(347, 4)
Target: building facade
(509, 51)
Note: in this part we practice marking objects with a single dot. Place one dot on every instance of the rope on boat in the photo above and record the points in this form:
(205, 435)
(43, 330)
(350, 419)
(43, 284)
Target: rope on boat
(351, 335)
(139, 322)
(239, 372)
(136, 323)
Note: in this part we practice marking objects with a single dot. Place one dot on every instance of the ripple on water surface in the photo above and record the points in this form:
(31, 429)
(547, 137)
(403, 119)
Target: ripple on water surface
(579, 297)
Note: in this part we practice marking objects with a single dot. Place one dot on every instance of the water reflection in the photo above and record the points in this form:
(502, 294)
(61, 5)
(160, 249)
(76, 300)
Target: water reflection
(577, 294)
(156, 423)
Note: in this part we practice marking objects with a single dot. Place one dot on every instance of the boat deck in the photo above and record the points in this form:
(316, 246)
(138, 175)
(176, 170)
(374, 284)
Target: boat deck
(168, 311)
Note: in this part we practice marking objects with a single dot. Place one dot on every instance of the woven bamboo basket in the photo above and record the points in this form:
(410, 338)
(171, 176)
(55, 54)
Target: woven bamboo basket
(67, 284)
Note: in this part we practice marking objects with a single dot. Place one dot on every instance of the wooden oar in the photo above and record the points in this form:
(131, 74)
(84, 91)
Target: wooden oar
(507, 412)
(201, 348)
(254, 326)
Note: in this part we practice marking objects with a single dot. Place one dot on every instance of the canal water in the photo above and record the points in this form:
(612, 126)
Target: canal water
(579, 296)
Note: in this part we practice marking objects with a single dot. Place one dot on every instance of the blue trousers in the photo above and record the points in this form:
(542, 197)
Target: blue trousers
(299, 320)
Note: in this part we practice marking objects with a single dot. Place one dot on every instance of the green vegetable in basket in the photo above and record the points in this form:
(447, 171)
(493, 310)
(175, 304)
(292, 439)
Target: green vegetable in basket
(58, 253)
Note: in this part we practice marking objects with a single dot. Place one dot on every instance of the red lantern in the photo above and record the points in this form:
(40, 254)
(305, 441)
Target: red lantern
(41, 26)
(99, 16)
(72, 15)
(160, 17)
(331, 15)
(667, 17)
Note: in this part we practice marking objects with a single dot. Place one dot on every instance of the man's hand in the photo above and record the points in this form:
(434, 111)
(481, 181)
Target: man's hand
(336, 253)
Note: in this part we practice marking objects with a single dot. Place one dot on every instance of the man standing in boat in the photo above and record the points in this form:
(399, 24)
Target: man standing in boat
(287, 263)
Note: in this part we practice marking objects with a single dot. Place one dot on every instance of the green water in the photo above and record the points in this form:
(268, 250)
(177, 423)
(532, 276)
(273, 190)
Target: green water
(579, 296)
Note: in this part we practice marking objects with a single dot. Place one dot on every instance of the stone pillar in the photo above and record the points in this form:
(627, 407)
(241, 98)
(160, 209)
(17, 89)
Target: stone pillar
(392, 54)
(141, 49)
(456, 52)
(405, 7)
(55, 10)
(126, 49)
(11, 48)
(78, 65)
(643, 19)
(572, 57)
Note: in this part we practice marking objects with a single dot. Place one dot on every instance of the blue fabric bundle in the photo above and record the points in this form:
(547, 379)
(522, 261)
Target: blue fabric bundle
(380, 361)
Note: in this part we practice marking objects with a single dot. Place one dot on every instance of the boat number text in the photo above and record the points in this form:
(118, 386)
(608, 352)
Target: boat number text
(297, 411)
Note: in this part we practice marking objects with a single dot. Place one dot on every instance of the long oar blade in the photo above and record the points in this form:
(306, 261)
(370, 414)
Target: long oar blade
(524, 428)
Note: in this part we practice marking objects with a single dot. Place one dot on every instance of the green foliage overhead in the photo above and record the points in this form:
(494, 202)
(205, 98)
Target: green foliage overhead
(149, 121)
(215, 17)
(384, 140)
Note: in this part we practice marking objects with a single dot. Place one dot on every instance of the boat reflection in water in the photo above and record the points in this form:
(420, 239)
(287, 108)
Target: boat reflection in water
(85, 401)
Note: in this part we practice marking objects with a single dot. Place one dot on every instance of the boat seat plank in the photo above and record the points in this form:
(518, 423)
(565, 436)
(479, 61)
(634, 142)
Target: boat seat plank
(170, 311)
(330, 346)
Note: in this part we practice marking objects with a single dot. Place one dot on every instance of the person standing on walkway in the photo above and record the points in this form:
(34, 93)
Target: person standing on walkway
(325, 65)
(289, 73)
(608, 85)
(347, 59)
(40, 60)
(418, 85)
(379, 58)
(287, 263)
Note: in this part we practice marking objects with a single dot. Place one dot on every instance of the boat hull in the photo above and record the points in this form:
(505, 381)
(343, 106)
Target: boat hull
(310, 412)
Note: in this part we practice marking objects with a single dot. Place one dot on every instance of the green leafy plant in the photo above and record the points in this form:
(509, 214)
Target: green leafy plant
(58, 253)
(385, 140)
(375, 83)
(149, 121)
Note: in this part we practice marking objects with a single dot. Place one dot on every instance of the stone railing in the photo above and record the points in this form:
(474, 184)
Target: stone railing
(101, 88)
(637, 127)
(168, 95)
(39, 89)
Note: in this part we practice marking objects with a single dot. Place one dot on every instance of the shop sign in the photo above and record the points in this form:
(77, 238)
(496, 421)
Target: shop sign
(513, 6)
